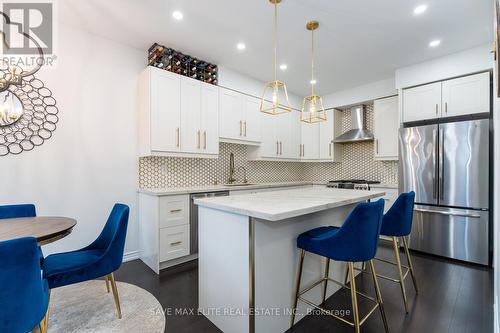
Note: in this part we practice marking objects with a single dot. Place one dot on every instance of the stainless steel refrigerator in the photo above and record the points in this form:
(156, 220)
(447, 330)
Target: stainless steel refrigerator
(447, 165)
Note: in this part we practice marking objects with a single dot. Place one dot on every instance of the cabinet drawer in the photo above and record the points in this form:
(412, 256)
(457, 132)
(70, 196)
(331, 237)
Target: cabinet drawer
(174, 211)
(174, 242)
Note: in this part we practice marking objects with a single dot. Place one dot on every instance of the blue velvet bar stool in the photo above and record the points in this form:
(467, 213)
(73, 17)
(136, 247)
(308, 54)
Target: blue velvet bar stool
(355, 241)
(100, 259)
(397, 224)
(24, 295)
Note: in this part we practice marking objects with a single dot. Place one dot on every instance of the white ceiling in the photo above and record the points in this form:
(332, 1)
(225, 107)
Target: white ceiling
(358, 42)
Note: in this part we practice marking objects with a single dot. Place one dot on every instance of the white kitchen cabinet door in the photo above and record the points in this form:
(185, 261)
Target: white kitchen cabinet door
(328, 130)
(385, 128)
(295, 139)
(209, 119)
(251, 119)
(165, 109)
(310, 141)
(190, 115)
(423, 102)
(466, 95)
(269, 147)
(283, 124)
(230, 114)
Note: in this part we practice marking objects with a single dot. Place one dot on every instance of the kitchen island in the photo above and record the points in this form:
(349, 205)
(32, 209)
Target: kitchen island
(248, 256)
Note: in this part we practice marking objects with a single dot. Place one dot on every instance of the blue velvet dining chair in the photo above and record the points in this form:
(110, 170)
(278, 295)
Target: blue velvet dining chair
(15, 211)
(100, 259)
(24, 295)
(355, 241)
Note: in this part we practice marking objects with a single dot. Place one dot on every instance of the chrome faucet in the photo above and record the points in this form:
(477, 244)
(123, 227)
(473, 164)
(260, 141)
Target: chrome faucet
(231, 169)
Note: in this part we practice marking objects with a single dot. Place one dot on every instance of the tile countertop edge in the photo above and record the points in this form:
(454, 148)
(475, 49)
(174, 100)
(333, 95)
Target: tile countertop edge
(286, 215)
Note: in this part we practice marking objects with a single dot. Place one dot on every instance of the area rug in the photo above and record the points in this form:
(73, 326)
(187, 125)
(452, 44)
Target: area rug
(87, 307)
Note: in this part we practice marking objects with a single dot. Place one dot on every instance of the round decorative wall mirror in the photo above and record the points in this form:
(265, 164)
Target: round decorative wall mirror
(11, 108)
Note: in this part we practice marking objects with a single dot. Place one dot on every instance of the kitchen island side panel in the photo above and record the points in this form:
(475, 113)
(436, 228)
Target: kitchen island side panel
(223, 262)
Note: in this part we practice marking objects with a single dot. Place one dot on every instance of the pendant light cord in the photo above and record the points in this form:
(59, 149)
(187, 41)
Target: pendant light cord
(312, 62)
(275, 41)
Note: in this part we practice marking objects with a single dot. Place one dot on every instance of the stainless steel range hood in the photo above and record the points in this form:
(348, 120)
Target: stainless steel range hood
(357, 133)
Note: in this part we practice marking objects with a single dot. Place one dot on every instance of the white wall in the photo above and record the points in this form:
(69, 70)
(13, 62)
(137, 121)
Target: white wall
(91, 160)
(234, 80)
(364, 93)
(469, 61)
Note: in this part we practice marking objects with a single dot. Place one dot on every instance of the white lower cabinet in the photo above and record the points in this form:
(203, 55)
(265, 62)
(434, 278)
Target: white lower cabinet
(164, 230)
(174, 242)
(391, 194)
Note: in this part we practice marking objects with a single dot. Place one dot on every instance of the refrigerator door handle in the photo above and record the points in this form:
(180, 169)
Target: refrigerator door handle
(475, 216)
(434, 165)
(441, 164)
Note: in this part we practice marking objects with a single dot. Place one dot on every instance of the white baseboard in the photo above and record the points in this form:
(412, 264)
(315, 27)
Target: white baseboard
(129, 256)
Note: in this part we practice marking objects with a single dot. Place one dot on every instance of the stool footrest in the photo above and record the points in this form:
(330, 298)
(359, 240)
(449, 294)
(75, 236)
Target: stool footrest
(302, 292)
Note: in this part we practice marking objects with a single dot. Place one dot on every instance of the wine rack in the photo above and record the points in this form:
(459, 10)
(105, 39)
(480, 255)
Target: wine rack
(174, 61)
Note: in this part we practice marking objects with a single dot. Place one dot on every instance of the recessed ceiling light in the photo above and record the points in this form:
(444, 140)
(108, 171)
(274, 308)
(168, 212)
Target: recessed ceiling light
(177, 15)
(312, 82)
(283, 67)
(420, 9)
(434, 43)
(241, 46)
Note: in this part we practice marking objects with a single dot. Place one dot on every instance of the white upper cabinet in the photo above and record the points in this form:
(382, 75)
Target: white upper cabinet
(178, 115)
(161, 114)
(328, 130)
(423, 102)
(190, 115)
(239, 120)
(310, 141)
(456, 97)
(210, 118)
(269, 147)
(385, 128)
(466, 95)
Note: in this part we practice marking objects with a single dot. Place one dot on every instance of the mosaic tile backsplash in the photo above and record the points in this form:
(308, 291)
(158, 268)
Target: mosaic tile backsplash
(357, 162)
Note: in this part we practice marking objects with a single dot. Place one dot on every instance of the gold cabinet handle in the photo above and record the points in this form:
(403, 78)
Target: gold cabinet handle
(241, 128)
(176, 243)
(437, 109)
(446, 107)
(204, 139)
(277, 148)
(376, 146)
(199, 139)
(303, 149)
(175, 210)
(178, 131)
(330, 150)
(245, 127)
(281, 148)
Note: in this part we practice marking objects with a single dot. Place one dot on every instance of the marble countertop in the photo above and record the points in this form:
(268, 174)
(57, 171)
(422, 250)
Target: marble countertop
(279, 205)
(214, 188)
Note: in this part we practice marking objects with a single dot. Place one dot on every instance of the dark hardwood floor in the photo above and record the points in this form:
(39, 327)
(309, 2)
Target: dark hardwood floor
(453, 297)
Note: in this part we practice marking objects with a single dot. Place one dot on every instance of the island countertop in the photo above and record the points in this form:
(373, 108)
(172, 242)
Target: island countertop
(279, 205)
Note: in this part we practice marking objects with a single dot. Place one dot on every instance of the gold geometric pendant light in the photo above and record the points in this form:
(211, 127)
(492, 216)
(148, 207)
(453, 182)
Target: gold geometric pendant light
(275, 97)
(313, 110)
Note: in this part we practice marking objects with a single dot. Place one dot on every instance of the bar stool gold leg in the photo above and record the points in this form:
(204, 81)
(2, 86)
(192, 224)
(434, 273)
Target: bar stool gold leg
(379, 295)
(115, 295)
(410, 264)
(107, 283)
(297, 286)
(400, 271)
(327, 271)
(354, 298)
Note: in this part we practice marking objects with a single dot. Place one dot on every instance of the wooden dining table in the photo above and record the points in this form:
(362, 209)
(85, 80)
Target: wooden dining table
(46, 229)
